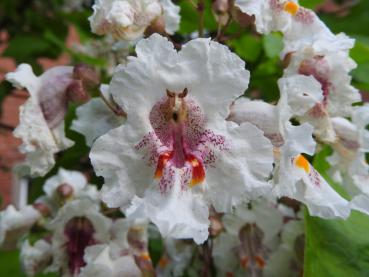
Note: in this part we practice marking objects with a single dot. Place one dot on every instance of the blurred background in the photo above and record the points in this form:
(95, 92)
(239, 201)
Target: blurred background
(56, 32)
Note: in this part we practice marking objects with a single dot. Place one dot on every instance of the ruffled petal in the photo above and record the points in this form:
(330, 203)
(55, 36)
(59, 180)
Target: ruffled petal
(172, 17)
(179, 213)
(95, 119)
(241, 172)
(125, 172)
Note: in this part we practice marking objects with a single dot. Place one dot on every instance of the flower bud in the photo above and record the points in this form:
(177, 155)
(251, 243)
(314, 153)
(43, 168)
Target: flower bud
(87, 75)
(65, 191)
(76, 92)
(42, 208)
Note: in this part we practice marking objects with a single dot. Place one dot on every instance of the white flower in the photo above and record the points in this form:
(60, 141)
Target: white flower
(283, 259)
(176, 152)
(294, 176)
(95, 118)
(100, 263)
(77, 225)
(250, 233)
(41, 125)
(300, 26)
(36, 257)
(330, 65)
(67, 185)
(128, 19)
(176, 258)
(14, 224)
(128, 245)
(348, 161)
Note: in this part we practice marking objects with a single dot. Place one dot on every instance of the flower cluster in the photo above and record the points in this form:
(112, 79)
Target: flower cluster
(183, 154)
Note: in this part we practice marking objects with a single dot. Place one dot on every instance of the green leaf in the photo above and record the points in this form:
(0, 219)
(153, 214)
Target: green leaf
(361, 73)
(356, 22)
(336, 247)
(248, 47)
(24, 47)
(310, 4)
(10, 265)
(273, 44)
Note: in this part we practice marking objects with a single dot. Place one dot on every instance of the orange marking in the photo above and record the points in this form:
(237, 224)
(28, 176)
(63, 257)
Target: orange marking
(260, 261)
(198, 171)
(163, 262)
(291, 7)
(145, 256)
(244, 262)
(162, 161)
(302, 163)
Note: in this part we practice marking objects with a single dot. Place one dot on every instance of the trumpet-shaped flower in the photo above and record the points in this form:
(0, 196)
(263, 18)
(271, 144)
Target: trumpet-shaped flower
(41, 125)
(300, 26)
(14, 224)
(348, 161)
(330, 65)
(35, 258)
(77, 225)
(176, 153)
(129, 19)
(294, 176)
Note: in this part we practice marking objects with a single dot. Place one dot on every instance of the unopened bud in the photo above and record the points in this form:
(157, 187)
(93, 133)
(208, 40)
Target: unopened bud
(42, 208)
(76, 92)
(87, 75)
(65, 191)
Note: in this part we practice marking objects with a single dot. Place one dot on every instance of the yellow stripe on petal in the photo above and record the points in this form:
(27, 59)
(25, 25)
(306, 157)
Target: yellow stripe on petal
(302, 163)
(291, 7)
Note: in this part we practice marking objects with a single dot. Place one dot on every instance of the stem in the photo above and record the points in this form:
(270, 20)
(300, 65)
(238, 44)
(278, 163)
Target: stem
(116, 110)
(192, 2)
(201, 10)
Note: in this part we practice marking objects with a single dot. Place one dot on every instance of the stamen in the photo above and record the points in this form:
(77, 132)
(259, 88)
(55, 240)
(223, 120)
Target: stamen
(183, 94)
(302, 163)
(291, 7)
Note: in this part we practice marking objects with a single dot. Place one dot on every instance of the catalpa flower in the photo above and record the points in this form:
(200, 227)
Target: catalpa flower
(98, 116)
(288, 257)
(35, 258)
(330, 65)
(349, 165)
(249, 235)
(41, 125)
(14, 224)
(176, 153)
(129, 19)
(300, 26)
(176, 258)
(294, 176)
(77, 225)
(124, 255)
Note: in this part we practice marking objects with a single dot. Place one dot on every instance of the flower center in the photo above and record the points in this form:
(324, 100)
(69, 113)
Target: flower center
(291, 7)
(79, 232)
(180, 146)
